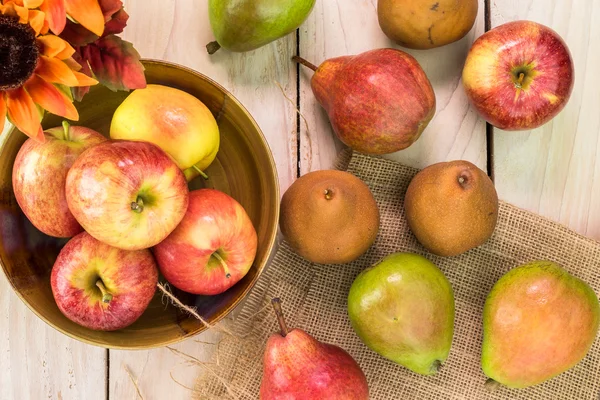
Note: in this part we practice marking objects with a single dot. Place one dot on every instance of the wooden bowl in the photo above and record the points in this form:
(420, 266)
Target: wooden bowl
(244, 169)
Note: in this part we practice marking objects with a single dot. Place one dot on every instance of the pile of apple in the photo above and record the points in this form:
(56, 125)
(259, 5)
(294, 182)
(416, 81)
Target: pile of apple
(120, 197)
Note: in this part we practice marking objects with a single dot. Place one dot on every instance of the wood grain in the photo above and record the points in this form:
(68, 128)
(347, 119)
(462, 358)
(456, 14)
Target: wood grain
(345, 27)
(38, 362)
(554, 170)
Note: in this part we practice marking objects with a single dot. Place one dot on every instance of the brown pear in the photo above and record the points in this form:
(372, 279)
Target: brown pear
(329, 217)
(425, 24)
(451, 207)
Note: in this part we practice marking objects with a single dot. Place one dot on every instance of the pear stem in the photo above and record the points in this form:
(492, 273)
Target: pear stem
(276, 302)
(106, 296)
(302, 61)
(67, 130)
(223, 263)
(435, 367)
(213, 47)
(138, 205)
(202, 173)
(491, 385)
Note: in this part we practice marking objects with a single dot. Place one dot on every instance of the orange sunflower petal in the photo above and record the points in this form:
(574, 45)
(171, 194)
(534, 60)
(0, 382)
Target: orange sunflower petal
(50, 98)
(54, 70)
(88, 13)
(32, 3)
(14, 10)
(36, 20)
(56, 14)
(23, 113)
(84, 80)
(53, 46)
(2, 112)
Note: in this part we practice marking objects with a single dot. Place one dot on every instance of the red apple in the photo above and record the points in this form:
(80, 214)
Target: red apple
(101, 287)
(39, 175)
(129, 195)
(519, 75)
(212, 248)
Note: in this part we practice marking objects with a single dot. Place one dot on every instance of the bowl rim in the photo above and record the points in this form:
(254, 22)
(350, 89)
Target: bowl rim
(270, 240)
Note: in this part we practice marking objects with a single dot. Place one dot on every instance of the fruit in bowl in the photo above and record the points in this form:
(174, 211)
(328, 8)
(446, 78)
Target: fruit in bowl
(129, 195)
(39, 176)
(212, 248)
(519, 75)
(172, 119)
(101, 287)
(244, 168)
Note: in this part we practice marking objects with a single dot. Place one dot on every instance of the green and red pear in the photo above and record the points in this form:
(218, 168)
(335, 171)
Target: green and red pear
(378, 102)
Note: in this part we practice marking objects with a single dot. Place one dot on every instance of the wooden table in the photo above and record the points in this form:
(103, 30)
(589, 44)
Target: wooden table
(551, 170)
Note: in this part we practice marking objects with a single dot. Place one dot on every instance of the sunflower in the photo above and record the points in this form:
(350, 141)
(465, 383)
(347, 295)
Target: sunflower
(37, 68)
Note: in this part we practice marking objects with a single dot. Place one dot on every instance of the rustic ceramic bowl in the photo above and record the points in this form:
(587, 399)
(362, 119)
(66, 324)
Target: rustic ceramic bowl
(244, 168)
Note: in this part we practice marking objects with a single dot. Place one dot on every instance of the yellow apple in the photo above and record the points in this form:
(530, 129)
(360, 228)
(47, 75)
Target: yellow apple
(172, 119)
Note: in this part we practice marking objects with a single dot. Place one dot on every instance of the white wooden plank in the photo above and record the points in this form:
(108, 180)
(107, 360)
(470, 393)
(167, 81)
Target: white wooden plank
(178, 31)
(554, 170)
(346, 27)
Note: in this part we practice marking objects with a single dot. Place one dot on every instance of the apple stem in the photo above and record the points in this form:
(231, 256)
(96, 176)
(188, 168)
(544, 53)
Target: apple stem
(67, 129)
(520, 80)
(213, 47)
(276, 303)
(138, 205)
(106, 296)
(302, 61)
(202, 174)
(224, 264)
(491, 385)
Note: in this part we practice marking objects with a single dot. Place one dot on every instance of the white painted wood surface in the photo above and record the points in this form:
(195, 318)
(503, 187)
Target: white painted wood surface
(555, 170)
(551, 170)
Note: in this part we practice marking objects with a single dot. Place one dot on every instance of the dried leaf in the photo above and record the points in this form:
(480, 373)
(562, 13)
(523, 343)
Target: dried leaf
(115, 64)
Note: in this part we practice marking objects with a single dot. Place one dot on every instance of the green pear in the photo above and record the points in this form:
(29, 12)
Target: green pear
(244, 25)
(403, 309)
(538, 321)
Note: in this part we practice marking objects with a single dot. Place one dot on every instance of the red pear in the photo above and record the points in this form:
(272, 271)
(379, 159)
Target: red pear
(299, 367)
(378, 102)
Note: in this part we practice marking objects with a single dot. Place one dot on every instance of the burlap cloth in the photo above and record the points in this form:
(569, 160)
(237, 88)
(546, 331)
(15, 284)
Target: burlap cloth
(314, 299)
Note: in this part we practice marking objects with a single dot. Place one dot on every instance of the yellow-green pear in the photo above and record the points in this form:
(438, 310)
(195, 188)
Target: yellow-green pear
(403, 309)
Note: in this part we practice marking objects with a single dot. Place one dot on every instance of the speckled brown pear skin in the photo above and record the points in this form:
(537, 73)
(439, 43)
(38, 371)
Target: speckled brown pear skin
(378, 102)
(421, 24)
(451, 207)
(329, 217)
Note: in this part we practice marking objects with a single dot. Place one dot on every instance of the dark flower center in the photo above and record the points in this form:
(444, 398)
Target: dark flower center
(18, 52)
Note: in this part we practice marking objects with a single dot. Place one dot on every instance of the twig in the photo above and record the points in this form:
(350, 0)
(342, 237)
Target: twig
(204, 365)
(137, 388)
(301, 116)
(179, 383)
(164, 288)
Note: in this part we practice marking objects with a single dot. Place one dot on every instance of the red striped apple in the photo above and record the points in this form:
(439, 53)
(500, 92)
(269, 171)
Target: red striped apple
(101, 287)
(519, 75)
(39, 175)
(212, 248)
(130, 195)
